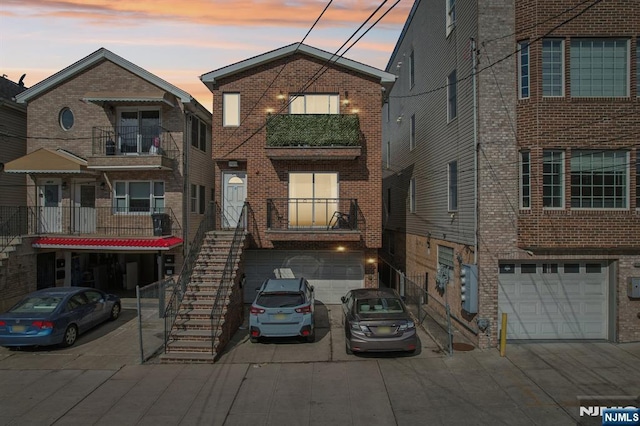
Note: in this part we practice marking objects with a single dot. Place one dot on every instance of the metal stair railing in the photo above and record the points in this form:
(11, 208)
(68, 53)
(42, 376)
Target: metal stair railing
(227, 273)
(173, 305)
(13, 224)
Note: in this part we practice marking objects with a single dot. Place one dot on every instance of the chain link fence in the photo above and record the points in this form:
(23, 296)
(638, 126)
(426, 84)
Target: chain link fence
(151, 302)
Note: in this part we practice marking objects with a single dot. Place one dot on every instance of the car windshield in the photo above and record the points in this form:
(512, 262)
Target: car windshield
(34, 304)
(280, 300)
(380, 306)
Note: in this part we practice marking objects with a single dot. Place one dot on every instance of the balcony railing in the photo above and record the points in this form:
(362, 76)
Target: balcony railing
(313, 214)
(102, 221)
(134, 140)
(313, 130)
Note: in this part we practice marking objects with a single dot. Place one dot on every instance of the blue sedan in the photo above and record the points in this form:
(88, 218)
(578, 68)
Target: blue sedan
(56, 316)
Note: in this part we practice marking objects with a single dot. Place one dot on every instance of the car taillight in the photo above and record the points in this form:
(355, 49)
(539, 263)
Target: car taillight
(3, 324)
(408, 326)
(42, 324)
(255, 310)
(304, 310)
(356, 326)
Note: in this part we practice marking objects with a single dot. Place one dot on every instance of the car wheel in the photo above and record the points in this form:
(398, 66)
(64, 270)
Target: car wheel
(115, 312)
(348, 350)
(70, 336)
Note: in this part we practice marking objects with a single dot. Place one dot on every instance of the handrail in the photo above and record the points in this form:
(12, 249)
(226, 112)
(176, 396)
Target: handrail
(13, 223)
(171, 310)
(227, 273)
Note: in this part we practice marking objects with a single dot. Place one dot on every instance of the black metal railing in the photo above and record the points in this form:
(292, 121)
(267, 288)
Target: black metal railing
(315, 130)
(313, 214)
(173, 305)
(14, 222)
(103, 221)
(226, 281)
(134, 140)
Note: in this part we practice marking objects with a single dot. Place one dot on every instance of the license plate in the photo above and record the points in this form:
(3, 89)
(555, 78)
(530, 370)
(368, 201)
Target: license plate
(18, 328)
(281, 317)
(384, 330)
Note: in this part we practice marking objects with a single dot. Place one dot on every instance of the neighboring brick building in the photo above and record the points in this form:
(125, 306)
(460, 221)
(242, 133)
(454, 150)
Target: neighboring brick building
(525, 165)
(117, 166)
(297, 135)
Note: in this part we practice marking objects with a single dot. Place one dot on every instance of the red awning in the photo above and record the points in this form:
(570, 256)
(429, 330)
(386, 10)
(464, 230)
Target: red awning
(123, 244)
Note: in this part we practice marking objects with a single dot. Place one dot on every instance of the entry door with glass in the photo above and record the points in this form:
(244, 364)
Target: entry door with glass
(137, 129)
(49, 207)
(235, 191)
(313, 198)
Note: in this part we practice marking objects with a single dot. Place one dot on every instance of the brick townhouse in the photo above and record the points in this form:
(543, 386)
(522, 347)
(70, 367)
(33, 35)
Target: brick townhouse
(512, 155)
(117, 165)
(297, 135)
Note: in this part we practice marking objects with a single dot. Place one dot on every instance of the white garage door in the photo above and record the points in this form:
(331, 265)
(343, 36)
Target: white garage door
(554, 300)
(331, 273)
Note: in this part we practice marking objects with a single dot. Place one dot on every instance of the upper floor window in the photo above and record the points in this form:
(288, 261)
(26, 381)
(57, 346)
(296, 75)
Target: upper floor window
(451, 15)
(412, 74)
(599, 68)
(638, 67)
(552, 67)
(412, 195)
(138, 196)
(452, 95)
(525, 180)
(314, 104)
(199, 134)
(412, 133)
(599, 179)
(553, 179)
(231, 109)
(638, 179)
(453, 185)
(523, 70)
(66, 118)
(388, 163)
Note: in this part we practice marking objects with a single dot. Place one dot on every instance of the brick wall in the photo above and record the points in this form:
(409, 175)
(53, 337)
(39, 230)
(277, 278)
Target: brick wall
(266, 178)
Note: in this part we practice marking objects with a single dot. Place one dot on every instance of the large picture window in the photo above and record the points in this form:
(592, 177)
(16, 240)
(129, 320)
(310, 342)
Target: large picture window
(599, 179)
(553, 179)
(313, 199)
(552, 67)
(314, 104)
(599, 68)
(139, 197)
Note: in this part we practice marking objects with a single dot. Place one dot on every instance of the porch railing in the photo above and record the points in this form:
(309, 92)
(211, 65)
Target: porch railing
(134, 140)
(103, 221)
(318, 214)
(173, 305)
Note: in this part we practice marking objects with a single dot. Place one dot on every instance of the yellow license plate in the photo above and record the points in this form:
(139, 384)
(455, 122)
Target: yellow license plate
(281, 316)
(384, 330)
(19, 328)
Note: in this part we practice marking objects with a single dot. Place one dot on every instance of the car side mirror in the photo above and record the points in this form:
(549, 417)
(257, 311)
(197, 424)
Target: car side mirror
(311, 288)
(344, 299)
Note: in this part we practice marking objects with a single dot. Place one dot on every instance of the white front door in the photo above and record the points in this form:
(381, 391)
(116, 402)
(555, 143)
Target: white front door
(49, 207)
(84, 212)
(233, 197)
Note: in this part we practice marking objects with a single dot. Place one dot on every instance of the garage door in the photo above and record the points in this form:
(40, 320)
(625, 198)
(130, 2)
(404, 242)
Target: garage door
(331, 273)
(554, 300)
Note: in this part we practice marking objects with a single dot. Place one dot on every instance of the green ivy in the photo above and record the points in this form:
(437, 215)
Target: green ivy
(313, 130)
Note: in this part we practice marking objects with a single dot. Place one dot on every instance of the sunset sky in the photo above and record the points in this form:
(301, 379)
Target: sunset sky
(181, 40)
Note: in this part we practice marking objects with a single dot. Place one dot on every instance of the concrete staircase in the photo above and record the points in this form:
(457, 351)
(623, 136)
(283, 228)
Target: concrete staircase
(191, 339)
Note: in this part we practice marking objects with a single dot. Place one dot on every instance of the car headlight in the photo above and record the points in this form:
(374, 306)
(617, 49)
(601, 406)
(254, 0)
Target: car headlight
(356, 326)
(408, 326)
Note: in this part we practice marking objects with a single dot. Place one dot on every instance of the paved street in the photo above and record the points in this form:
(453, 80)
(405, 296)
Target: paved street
(100, 381)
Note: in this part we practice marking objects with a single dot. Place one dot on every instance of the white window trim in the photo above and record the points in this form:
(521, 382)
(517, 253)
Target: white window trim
(449, 21)
(449, 193)
(412, 133)
(412, 195)
(193, 198)
(449, 88)
(127, 197)
(412, 74)
(627, 163)
(521, 45)
(562, 70)
(628, 70)
(522, 207)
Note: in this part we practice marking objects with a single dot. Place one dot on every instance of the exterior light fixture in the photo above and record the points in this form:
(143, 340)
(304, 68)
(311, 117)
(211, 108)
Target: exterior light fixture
(341, 248)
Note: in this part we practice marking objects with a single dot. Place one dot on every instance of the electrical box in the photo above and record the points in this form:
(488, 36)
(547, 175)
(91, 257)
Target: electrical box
(634, 288)
(469, 287)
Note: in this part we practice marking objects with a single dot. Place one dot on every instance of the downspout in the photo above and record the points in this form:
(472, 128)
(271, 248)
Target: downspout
(476, 151)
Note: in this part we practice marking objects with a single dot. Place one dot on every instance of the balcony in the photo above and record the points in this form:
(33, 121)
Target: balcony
(132, 147)
(94, 222)
(313, 137)
(314, 219)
